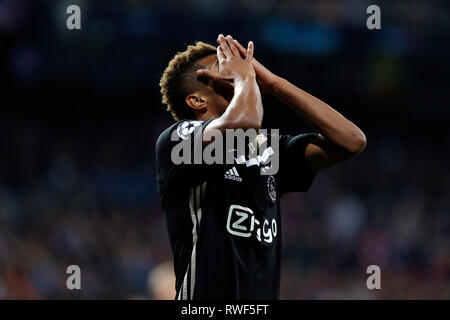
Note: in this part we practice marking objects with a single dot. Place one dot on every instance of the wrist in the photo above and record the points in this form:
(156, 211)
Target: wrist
(277, 85)
(244, 79)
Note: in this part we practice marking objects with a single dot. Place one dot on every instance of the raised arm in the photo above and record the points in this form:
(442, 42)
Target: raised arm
(339, 138)
(245, 109)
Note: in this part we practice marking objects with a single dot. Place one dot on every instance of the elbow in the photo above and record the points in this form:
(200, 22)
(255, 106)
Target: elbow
(245, 121)
(249, 123)
(357, 144)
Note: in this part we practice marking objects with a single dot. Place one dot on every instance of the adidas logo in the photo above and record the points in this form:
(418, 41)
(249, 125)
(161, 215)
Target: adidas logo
(232, 174)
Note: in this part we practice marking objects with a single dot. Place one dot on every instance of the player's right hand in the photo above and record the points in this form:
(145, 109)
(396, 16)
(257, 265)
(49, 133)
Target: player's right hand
(232, 66)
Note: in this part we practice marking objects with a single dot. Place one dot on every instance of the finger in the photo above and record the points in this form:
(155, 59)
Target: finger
(224, 46)
(232, 46)
(220, 54)
(250, 49)
(241, 49)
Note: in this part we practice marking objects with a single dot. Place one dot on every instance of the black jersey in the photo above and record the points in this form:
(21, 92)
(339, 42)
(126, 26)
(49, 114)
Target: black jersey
(224, 220)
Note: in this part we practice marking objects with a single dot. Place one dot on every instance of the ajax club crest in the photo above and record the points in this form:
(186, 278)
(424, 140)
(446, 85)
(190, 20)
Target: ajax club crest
(271, 188)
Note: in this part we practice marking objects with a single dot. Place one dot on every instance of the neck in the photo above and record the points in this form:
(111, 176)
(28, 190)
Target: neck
(206, 116)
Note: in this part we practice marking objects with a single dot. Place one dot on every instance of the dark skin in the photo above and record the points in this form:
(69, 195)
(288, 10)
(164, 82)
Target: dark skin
(234, 70)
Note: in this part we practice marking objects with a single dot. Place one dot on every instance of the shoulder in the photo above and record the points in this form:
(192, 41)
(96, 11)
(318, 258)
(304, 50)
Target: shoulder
(184, 129)
(180, 130)
(164, 137)
(302, 139)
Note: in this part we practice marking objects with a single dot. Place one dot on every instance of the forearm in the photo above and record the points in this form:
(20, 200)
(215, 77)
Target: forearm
(245, 109)
(330, 123)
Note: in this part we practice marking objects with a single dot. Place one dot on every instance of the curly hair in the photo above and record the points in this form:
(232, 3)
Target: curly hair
(178, 80)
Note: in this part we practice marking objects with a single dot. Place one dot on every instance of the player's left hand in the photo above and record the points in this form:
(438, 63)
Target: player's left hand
(266, 79)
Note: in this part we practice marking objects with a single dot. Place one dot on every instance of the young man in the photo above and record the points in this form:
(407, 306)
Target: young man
(223, 219)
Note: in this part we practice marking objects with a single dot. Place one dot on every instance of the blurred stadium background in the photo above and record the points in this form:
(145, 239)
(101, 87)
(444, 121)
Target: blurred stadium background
(80, 113)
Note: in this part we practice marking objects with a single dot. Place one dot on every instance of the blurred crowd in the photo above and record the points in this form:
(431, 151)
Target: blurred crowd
(388, 207)
(80, 114)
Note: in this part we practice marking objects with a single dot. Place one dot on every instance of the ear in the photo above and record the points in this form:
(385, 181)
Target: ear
(196, 101)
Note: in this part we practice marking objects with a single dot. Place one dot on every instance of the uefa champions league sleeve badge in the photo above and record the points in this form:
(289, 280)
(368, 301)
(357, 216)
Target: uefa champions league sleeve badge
(185, 128)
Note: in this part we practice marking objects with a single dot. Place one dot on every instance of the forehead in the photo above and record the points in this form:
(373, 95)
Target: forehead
(208, 60)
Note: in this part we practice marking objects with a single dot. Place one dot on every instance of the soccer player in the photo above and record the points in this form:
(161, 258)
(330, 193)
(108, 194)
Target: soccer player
(224, 220)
